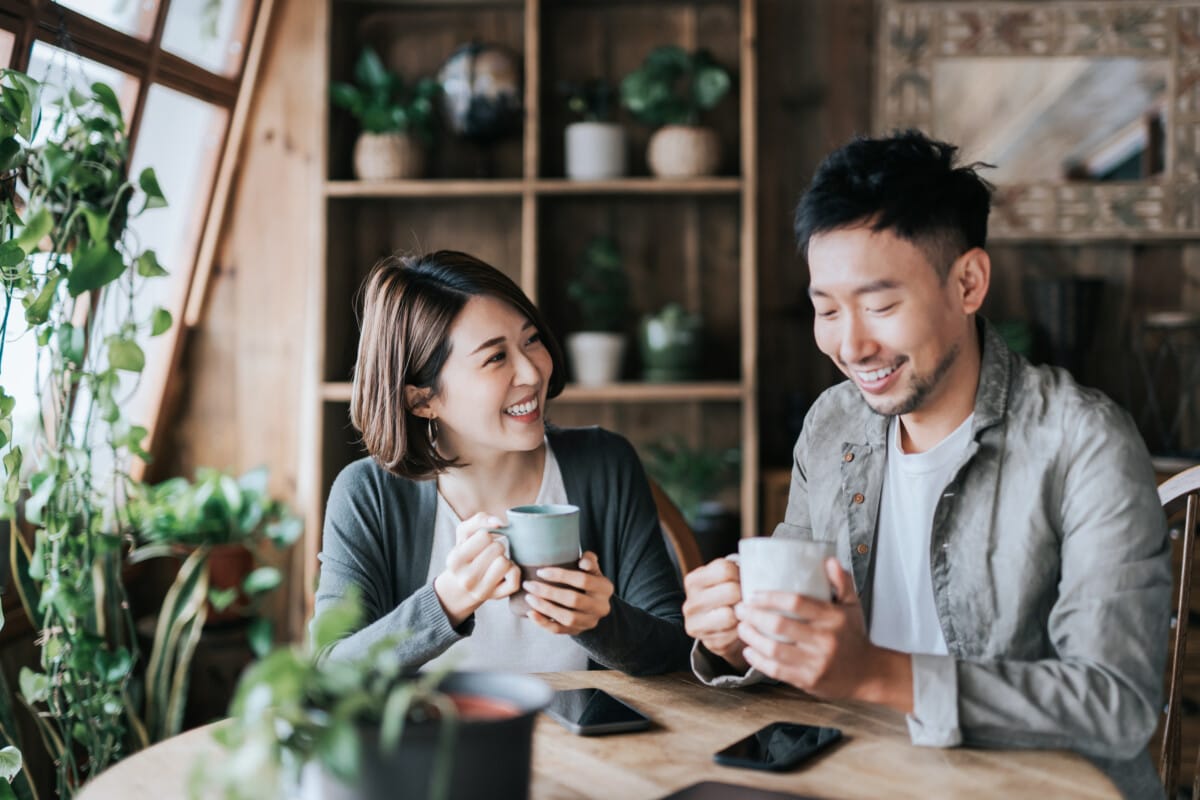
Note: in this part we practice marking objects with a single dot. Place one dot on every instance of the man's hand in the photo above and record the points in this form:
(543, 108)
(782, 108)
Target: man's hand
(578, 604)
(823, 647)
(712, 592)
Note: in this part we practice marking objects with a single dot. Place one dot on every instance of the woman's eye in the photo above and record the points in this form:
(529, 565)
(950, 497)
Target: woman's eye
(534, 339)
(496, 359)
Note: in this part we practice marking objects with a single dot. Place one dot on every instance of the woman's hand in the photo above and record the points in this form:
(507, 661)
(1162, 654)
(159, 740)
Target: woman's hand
(476, 569)
(576, 605)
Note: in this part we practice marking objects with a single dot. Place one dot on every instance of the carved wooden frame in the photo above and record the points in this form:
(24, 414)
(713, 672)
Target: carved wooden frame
(913, 36)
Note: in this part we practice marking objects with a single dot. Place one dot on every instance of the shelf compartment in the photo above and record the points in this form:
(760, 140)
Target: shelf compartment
(692, 186)
(633, 392)
(424, 188)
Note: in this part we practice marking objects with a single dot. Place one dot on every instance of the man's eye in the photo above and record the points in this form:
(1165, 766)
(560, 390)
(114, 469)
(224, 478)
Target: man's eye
(882, 309)
(826, 314)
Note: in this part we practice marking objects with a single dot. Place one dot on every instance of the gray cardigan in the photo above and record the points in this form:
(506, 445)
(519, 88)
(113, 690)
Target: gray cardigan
(379, 535)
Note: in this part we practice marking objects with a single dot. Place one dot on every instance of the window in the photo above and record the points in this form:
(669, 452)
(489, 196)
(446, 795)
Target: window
(178, 69)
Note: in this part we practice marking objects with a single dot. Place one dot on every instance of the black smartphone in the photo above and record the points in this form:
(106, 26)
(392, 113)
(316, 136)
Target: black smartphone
(588, 712)
(778, 746)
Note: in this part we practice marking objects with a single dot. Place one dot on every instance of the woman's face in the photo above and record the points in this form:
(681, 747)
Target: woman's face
(493, 385)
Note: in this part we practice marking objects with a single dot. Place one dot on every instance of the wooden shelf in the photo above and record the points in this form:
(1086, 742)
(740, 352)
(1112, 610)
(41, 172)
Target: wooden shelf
(634, 392)
(515, 187)
(509, 187)
(716, 185)
(630, 392)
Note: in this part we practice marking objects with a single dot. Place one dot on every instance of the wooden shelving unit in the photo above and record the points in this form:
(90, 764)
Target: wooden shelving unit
(688, 241)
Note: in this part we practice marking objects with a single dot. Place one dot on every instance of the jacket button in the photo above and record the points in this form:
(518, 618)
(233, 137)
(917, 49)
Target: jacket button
(863, 549)
(848, 457)
(858, 498)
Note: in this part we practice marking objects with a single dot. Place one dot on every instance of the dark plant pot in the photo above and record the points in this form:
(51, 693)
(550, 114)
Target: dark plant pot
(717, 530)
(670, 347)
(490, 757)
(228, 566)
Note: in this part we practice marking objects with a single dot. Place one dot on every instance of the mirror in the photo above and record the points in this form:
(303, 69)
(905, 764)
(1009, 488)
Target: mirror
(1089, 112)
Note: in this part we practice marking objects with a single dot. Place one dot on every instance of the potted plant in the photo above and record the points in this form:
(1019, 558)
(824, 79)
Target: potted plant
(594, 145)
(693, 477)
(671, 344)
(362, 728)
(68, 256)
(668, 92)
(600, 291)
(396, 119)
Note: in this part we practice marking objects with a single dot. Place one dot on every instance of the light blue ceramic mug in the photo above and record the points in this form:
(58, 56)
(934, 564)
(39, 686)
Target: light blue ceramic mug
(540, 536)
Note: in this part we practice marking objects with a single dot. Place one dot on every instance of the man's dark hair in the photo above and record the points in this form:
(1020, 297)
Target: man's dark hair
(907, 183)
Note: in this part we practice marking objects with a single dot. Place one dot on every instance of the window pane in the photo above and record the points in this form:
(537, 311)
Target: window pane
(181, 139)
(211, 33)
(135, 17)
(58, 68)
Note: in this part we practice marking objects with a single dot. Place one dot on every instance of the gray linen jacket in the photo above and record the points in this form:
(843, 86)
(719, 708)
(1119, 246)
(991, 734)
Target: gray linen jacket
(1049, 559)
(379, 537)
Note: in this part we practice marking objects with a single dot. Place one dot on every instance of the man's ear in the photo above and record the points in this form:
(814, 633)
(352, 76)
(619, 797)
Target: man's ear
(416, 399)
(972, 274)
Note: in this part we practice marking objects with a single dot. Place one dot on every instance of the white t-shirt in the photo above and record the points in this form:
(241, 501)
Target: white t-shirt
(501, 640)
(903, 614)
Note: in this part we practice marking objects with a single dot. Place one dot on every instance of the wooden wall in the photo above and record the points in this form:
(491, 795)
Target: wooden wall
(241, 402)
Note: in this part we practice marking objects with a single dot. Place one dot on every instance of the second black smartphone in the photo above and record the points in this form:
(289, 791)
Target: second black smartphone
(778, 746)
(594, 711)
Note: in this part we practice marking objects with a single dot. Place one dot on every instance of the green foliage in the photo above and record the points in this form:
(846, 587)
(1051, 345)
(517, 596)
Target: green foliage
(673, 86)
(293, 707)
(592, 100)
(383, 103)
(690, 476)
(214, 509)
(600, 288)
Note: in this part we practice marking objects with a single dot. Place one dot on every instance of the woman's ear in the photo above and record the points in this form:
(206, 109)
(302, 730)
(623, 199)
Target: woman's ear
(417, 399)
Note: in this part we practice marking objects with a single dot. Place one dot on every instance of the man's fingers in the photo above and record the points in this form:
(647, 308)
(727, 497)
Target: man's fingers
(721, 570)
(794, 605)
(711, 622)
(714, 596)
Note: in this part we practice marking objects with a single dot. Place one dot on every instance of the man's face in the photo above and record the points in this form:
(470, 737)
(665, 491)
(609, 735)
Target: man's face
(886, 318)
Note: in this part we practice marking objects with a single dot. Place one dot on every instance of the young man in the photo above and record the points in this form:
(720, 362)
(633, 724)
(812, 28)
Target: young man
(1008, 576)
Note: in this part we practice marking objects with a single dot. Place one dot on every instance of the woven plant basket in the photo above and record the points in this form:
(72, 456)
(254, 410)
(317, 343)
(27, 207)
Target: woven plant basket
(684, 151)
(388, 156)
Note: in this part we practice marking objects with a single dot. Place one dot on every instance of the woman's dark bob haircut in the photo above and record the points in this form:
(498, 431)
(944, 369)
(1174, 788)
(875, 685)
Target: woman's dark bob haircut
(409, 304)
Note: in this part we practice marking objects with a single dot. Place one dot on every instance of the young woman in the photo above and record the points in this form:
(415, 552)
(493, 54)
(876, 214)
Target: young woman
(454, 369)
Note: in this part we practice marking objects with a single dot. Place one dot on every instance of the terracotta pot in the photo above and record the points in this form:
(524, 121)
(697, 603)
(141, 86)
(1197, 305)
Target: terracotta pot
(228, 566)
(388, 156)
(684, 151)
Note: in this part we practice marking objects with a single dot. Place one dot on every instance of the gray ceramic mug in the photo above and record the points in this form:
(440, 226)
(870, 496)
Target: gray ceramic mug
(540, 536)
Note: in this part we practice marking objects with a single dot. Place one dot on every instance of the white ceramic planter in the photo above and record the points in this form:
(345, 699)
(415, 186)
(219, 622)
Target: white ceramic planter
(595, 150)
(683, 151)
(595, 357)
(388, 156)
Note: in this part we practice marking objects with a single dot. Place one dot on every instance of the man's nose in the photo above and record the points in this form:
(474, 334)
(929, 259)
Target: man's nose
(857, 345)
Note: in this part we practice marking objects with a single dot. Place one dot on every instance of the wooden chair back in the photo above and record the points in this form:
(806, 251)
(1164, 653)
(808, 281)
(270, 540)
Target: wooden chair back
(1184, 485)
(677, 531)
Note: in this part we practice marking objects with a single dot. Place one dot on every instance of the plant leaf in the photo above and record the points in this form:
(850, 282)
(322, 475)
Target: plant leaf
(221, 599)
(106, 97)
(39, 310)
(113, 666)
(160, 321)
(11, 254)
(336, 621)
(148, 266)
(35, 686)
(263, 579)
(261, 635)
(149, 183)
(126, 355)
(37, 225)
(95, 267)
(97, 224)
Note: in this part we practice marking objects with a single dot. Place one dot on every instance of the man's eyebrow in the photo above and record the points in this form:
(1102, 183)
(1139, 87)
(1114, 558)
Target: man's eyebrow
(882, 285)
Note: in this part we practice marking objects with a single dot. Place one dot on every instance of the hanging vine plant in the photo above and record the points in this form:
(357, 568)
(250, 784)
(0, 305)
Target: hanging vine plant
(70, 259)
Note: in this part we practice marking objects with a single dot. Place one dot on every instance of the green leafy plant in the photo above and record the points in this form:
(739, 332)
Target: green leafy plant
(690, 476)
(68, 255)
(600, 288)
(187, 520)
(295, 707)
(383, 103)
(673, 86)
(592, 100)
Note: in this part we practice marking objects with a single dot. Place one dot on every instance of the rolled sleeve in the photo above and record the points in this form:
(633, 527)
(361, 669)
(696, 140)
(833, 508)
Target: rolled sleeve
(934, 719)
(713, 671)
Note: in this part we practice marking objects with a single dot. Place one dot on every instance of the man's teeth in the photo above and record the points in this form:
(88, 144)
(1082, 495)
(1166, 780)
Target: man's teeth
(521, 409)
(876, 374)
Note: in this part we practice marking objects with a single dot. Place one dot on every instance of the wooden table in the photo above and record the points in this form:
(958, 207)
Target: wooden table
(692, 722)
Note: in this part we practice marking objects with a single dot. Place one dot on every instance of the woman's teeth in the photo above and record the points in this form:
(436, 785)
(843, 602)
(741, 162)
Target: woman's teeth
(521, 409)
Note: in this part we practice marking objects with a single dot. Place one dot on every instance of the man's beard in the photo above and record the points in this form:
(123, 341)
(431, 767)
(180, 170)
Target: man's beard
(921, 388)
